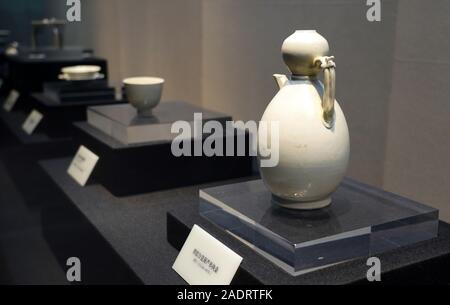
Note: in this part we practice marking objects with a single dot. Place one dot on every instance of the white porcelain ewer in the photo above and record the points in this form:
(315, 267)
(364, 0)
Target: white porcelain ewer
(314, 142)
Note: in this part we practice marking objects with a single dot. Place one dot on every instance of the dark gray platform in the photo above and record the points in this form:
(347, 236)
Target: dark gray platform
(58, 117)
(151, 166)
(25, 258)
(13, 122)
(26, 192)
(51, 103)
(78, 91)
(134, 226)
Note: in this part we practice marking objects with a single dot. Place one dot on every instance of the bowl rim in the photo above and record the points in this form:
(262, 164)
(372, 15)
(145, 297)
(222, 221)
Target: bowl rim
(143, 80)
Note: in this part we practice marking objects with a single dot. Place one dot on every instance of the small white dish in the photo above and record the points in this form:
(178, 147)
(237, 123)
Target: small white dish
(81, 72)
(70, 78)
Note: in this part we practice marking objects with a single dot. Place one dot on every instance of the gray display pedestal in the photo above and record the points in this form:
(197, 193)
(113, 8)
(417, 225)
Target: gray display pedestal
(135, 153)
(122, 122)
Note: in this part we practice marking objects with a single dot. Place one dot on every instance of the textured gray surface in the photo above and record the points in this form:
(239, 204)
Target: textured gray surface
(25, 257)
(13, 122)
(135, 226)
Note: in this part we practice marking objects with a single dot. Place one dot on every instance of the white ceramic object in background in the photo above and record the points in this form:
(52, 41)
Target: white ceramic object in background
(92, 77)
(144, 93)
(314, 142)
(81, 72)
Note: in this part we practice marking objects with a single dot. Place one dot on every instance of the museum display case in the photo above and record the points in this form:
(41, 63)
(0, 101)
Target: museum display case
(136, 153)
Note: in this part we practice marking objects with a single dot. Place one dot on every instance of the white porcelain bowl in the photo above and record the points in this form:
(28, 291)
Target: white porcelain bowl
(81, 72)
(144, 93)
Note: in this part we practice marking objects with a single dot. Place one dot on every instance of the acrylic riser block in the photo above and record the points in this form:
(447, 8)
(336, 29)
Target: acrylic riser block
(122, 122)
(361, 221)
(150, 165)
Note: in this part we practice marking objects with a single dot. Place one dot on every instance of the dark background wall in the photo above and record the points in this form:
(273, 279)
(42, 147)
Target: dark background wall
(16, 15)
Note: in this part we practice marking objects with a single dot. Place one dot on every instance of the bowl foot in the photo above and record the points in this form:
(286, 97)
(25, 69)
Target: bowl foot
(145, 113)
(302, 205)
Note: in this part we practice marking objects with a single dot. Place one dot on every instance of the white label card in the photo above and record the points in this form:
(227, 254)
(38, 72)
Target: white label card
(82, 165)
(11, 100)
(32, 121)
(204, 260)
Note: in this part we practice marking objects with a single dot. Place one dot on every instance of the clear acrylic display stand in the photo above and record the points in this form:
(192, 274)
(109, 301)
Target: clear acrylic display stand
(360, 221)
